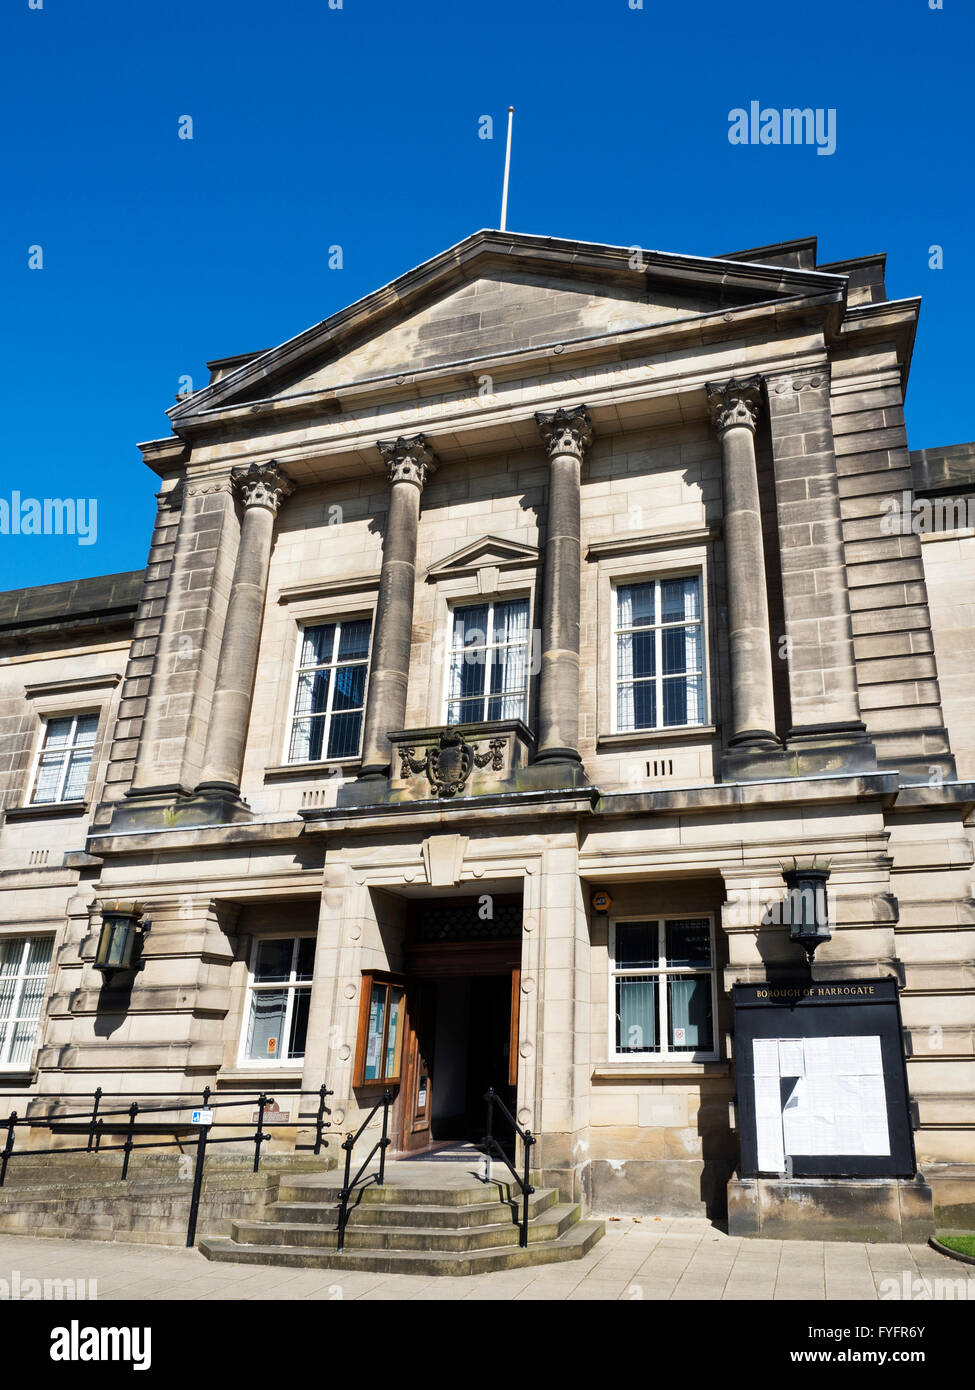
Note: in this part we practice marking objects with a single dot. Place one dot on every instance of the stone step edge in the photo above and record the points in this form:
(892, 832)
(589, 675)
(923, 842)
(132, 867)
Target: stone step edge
(573, 1245)
(560, 1218)
(395, 1195)
(540, 1200)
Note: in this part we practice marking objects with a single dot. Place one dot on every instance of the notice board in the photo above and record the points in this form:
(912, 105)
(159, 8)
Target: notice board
(821, 1080)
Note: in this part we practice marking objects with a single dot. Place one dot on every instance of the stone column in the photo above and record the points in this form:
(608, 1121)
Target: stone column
(734, 407)
(567, 434)
(409, 463)
(262, 488)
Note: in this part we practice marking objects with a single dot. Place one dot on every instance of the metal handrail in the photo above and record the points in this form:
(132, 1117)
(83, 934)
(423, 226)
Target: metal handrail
(494, 1147)
(96, 1132)
(348, 1144)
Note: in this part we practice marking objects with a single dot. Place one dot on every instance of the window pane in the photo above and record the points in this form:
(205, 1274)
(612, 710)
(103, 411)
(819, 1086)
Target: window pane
(39, 956)
(299, 1023)
(11, 954)
(689, 942)
(350, 688)
(466, 674)
(634, 605)
(266, 1023)
(680, 599)
(374, 1039)
(465, 711)
(354, 640)
(7, 990)
(471, 626)
(306, 958)
(344, 735)
(87, 727)
(393, 1036)
(48, 778)
(58, 733)
(637, 945)
(312, 694)
(273, 960)
(689, 1010)
(77, 778)
(306, 740)
(683, 700)
(317, 644)
(681, 650)
(511, 621)
(636, 1015)
(506, 707)
(23, 1042)
(635, 654)
(31, 997)
(636, 706)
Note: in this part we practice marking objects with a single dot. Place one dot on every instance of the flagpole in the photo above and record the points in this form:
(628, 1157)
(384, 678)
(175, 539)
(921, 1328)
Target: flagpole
(507, 169)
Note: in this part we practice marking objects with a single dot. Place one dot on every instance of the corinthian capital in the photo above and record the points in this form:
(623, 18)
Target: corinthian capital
(408, 460)
(263, 485)
(734, 403)
(565, 431)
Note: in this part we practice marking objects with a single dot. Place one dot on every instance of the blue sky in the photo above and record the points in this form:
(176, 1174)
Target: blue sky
(359, 127)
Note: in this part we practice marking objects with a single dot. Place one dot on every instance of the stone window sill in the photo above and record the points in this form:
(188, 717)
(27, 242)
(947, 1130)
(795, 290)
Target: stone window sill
(293, 772)
(619, 1071)
(649, 738)
(261, 1078)
(44, 812)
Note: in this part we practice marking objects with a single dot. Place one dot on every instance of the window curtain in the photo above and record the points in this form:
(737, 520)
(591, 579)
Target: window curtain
(636, 1015)
(509, 674)
(689, 1006)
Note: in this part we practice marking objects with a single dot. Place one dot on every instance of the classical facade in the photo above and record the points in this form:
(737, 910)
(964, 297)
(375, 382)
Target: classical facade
(504, 640)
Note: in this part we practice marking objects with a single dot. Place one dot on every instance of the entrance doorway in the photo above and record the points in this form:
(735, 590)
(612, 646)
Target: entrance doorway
(462, 986)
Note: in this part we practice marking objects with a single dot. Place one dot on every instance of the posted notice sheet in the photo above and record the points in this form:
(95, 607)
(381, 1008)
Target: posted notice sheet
(832, 1101)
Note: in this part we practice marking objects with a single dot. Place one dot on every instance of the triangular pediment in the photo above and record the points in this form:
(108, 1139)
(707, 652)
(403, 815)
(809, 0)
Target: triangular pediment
(495, 294)
(490, 552)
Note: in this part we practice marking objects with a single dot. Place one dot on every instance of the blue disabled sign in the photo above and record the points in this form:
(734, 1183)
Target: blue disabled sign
(203, 1117)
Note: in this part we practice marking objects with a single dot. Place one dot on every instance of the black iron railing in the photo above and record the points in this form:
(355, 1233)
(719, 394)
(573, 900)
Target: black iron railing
(94, 1121)
(351, 1184)
(494, 1149)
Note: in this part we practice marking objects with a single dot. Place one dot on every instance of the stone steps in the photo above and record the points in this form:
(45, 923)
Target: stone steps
(571, 1245)
(418, 1214)
(548, 1226)
(434, 1223)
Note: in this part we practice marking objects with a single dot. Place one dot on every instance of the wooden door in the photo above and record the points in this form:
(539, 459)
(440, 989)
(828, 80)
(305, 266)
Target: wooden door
(513, 1044)
(418, 1088)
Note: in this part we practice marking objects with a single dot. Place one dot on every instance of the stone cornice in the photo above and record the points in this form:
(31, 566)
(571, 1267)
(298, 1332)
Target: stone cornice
(650, 540)
(429, 383)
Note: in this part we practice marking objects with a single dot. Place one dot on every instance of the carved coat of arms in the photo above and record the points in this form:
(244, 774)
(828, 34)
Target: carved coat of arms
(449, 762)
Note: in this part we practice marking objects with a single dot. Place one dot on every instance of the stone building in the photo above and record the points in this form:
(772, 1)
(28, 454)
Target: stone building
(503, 639)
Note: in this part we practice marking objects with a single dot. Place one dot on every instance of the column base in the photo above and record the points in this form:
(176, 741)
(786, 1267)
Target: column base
(755, 738)
(552, 772)
(208, 805)
(843, 749)
(899, 1210)
(557, 755)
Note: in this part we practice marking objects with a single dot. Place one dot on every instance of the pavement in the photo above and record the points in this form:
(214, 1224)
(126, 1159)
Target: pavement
(638, 1258)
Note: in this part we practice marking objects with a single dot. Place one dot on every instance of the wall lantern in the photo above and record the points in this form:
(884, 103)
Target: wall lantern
(123, 927)
(806, 905)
